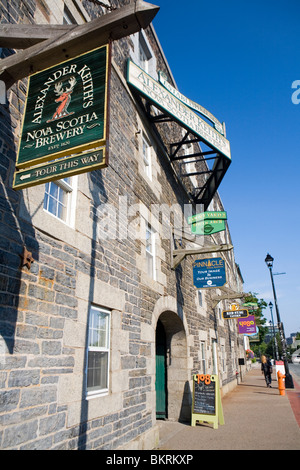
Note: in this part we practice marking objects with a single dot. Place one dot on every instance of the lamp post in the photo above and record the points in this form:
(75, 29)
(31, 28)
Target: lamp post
(274, 335)
(288, 378)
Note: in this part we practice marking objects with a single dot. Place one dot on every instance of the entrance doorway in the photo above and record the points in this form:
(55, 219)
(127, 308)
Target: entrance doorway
(161, 372)
(173, 395)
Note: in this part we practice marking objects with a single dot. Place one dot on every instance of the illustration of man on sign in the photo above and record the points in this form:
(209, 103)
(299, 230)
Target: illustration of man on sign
(64, 98)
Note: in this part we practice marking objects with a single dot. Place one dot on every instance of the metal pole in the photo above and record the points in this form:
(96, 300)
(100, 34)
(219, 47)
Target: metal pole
(274, 335)
(288, 378)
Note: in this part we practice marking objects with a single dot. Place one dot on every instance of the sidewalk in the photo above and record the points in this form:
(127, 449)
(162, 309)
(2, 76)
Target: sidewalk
(256, 418)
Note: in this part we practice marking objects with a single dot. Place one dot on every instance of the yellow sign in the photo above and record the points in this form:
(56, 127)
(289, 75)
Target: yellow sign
(207, 405)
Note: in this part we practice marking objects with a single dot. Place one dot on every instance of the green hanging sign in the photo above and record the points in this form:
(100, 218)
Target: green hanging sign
(62, 168)
(66, 109)
(208, 222)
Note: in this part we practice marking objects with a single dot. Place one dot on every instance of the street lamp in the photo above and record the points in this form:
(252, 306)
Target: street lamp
(288, 378)
(274, 335)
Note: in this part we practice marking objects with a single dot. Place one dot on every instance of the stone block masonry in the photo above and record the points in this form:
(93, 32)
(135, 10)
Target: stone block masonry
(44, 309)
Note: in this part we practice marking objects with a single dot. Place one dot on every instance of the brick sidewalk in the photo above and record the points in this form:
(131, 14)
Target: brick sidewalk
(294, 398)
(256, 418)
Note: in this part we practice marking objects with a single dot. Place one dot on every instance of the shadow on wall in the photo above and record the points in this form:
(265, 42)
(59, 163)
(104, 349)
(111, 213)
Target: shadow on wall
(17, 237)
(98, 197)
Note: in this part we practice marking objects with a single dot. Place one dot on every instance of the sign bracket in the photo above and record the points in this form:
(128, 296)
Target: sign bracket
(64, 43)
(178, 254)
(229, 294)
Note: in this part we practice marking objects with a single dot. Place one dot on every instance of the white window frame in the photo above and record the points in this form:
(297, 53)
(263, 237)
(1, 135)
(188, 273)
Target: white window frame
(147, 161)
(92, 348)
(150, 252)
(142, 54)
(203, 356)
(214, 356)
(70, 188)
(200, 298)
(223, 358)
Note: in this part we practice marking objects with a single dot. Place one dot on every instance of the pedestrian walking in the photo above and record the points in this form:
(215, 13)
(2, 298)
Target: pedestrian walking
(266, 367)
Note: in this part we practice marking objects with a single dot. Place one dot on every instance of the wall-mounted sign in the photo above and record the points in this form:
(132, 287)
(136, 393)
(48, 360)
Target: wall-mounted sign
(166, 101)
(191, 104)
(66, 109)
(247, 325)
(207, 223)
(252, 307)
(209, 273)
(57, 169)
(255, 338)
(228, 314)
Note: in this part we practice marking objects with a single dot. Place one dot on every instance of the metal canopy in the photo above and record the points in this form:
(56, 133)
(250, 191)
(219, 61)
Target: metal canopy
(211, 175)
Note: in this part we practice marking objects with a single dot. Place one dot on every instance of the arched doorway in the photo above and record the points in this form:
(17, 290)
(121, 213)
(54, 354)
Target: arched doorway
(173, 396)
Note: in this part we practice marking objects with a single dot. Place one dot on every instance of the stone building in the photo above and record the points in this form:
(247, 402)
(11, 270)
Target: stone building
(95, 318)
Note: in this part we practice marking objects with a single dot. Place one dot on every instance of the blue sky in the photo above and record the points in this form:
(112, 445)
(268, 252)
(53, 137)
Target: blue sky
(239, 59)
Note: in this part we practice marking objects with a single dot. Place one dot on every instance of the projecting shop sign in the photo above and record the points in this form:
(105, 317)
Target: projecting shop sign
(184, 115)
(207, 223)
(65, 110)
(209, 273)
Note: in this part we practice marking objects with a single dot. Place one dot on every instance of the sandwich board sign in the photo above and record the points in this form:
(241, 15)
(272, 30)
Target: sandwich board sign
(207, 405)
(65, 113)
(209, 272)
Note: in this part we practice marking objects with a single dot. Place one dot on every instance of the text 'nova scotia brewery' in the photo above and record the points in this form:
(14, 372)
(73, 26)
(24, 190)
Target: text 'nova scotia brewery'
(116, 259)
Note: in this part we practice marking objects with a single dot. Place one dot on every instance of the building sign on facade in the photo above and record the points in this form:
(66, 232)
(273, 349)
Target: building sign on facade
(66, 111)
(228, 314)
(207, 223)
(57, 169)
(191, 104)
(247, 326)
(184, 115)
(209, 273)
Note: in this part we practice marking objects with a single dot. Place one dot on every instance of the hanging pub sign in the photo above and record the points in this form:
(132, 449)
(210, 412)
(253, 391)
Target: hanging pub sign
(209, 273)
(207, 223)
(229, 314)
(66, 110)
(61, 168)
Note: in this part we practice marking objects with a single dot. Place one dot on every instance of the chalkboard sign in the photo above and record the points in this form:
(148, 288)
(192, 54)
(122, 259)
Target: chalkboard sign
(207, 406)
(204, 397)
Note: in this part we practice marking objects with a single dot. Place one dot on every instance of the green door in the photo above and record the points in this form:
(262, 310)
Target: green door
(160, 383)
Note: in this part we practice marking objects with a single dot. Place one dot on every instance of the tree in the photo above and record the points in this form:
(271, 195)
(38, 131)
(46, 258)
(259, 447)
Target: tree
(256, 307)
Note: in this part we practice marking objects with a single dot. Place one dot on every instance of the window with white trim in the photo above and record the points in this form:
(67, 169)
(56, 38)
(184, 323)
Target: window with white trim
(98, 351)
(223, 358)
(150, 251)
(203, 356)
(142, 53)
(200, 299)
(60, 199)
(147, 157)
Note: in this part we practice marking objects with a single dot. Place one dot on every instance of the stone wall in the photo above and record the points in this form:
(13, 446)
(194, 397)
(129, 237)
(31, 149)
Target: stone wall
(44, 308)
